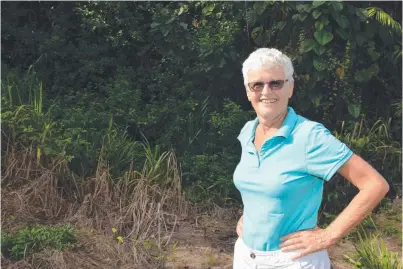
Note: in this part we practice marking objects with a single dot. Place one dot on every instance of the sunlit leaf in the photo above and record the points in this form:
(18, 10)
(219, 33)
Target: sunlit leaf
(307, 45)
(323, 37)
(316, 13)
(383, 18)
(319, 25)
(317, 3)
(319, 50)
(354, 109)
(120, 239)
(337, 6)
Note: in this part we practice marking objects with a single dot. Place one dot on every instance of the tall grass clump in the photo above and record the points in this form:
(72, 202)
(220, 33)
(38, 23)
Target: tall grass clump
(372, 253)
(374, 143)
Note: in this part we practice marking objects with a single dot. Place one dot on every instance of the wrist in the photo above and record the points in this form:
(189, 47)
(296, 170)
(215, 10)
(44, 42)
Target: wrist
(333, 234)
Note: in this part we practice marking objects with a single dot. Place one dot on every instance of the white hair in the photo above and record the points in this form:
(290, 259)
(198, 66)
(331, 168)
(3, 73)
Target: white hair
(267, 58)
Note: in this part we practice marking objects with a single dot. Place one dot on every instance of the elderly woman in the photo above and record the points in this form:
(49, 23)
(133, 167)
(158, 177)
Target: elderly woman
(285, 160)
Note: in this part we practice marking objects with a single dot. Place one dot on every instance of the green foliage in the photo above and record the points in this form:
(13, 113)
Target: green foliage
(32, 240)
(158, 166)
(63, 133)
(29, 122)
(208, 168)
(324, 29)
(104, 75)
(372, 141)
(373, 254)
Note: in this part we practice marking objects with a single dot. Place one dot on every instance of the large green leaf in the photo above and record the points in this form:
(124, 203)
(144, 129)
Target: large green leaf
(319, 50)
(260, 7)
(307, 7)
(302, 16)
(319, 25)
(317, 3)
(342, 33)
(324, 19)
(251, 17)
(342, 21)
(319, 64)
(316, 14)
(361, 13)
(307, 45)
(354, 109)
(181, 10)
(258, 36)
(323, 37)
(337, 6)
(208, 9)
(300, 7)
(281, 25)
(171, 20)
(154, 25)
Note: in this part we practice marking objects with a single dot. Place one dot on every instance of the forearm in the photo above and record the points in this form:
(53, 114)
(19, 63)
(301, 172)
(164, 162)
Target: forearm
(360, 207)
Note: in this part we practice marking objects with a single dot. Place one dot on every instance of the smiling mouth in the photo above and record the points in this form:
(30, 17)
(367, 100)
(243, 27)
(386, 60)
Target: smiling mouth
(268, 101)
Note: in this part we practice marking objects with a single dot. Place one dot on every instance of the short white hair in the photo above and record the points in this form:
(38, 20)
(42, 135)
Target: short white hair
(267, 58)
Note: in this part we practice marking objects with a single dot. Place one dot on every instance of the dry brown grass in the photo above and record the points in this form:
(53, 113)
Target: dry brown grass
(143, 212)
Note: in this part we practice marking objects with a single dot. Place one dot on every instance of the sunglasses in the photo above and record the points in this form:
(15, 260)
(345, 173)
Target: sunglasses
(274, 85)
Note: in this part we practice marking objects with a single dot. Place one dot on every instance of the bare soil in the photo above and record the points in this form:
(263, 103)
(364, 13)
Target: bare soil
(205, 243)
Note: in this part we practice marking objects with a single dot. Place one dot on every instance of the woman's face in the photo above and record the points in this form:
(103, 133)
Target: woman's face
(270, 99)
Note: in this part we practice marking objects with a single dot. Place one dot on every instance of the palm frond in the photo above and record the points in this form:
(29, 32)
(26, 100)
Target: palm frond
(383, 18)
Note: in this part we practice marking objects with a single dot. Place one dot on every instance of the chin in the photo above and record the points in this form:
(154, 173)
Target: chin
(269, 112)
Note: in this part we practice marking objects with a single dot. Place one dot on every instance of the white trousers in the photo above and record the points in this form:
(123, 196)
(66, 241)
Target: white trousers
(246, 258)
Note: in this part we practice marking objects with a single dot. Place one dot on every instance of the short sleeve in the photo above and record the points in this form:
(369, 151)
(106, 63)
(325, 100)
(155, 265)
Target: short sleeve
(244, 134)
(325, 154)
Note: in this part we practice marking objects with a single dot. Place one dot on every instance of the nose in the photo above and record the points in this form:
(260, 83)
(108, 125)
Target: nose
(266, 88)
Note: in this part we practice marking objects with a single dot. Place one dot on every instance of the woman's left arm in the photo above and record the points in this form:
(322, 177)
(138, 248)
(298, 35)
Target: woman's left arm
(372, 188)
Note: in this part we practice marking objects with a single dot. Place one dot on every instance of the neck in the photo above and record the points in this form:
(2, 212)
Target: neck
(273, 124)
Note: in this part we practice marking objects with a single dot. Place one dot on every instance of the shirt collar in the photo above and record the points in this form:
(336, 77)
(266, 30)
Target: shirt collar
(285, 129)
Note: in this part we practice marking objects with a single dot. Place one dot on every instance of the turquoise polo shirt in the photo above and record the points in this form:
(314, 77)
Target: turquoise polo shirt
(282, 185)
